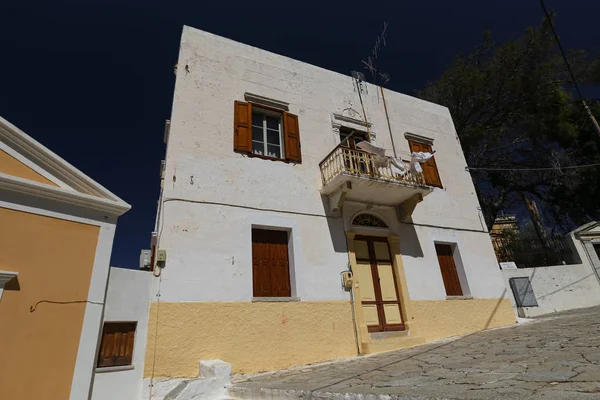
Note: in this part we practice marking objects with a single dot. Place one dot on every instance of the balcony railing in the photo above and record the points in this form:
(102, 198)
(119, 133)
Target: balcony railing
(357, 162)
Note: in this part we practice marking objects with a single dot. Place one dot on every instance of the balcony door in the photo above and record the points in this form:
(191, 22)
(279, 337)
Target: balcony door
(356, 160)
(378, 287)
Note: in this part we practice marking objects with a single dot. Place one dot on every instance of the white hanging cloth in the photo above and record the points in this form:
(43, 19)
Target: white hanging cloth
(397, 166)
(416, 159)
(380, 159)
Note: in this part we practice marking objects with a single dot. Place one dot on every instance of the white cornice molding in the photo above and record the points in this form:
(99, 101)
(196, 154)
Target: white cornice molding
(267, 101)
(418, 138)
(43, 191)
(583, 232)
(49, 161)
(339, 120)
(5, 276)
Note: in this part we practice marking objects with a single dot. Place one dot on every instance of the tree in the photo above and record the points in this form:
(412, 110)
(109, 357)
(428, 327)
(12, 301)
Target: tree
(512, 108)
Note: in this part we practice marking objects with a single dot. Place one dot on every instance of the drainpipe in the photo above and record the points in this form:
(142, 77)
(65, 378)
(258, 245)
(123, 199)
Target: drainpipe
(388, 121)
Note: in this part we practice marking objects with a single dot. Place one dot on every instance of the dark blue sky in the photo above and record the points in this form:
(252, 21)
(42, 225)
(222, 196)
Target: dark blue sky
(93, 80)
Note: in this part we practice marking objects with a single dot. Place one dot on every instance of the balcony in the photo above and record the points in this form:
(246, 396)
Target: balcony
(357, 175)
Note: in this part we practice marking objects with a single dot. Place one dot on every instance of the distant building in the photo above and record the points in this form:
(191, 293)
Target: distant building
(57, 235)
(504, 225)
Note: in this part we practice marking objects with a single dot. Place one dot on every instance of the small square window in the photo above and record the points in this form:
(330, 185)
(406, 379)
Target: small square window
(267, 133)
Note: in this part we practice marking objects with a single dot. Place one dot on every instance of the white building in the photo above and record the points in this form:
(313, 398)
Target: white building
(262, 211)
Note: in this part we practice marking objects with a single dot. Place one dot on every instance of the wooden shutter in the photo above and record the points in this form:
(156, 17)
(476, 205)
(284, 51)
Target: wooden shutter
(270, 264)
(116, 347)
(448, 269)
(242, 129)
(430, 171)
(292, 138)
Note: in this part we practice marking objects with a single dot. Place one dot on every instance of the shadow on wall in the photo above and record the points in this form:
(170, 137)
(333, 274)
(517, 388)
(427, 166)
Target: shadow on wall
(13, 284)
(336, 228)
(409, 241)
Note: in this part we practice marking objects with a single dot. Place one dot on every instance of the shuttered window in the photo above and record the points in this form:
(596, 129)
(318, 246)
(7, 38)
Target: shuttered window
(270, 263)
(430, 171)
(448, 269)
(267, 133)
(116, 347)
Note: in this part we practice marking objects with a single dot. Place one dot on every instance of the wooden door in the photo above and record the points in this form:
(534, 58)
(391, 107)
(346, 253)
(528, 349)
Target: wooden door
(270, 264)
(379, 289)
(448, 269)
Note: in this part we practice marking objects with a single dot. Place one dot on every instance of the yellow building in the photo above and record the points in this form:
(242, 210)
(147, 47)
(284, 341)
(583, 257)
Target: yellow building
(56, 239)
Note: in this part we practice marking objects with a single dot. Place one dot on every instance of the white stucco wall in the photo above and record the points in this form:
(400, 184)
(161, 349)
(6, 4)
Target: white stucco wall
(207, 236)
(127, 299)
(560, 287)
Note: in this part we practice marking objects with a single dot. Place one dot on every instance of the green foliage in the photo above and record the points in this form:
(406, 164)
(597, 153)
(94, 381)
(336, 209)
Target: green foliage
(512, 108)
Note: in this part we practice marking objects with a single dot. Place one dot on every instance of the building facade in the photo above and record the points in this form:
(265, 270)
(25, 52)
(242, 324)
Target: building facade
(57, 234)
(287, 240)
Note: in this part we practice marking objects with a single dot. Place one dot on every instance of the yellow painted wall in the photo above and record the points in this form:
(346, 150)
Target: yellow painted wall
(437, 319)
(11, 166)
(252, 337)
(54, 259)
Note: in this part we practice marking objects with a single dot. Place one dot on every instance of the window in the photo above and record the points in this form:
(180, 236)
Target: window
(368, 220)
(448, 269)
(270, 263)
(116, 347)
(266, 132)
(267, 138)
(430, 171)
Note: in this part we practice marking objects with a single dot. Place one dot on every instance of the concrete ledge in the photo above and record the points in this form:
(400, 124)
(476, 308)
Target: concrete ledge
(273, 299)
(459, 297)
(114, 369)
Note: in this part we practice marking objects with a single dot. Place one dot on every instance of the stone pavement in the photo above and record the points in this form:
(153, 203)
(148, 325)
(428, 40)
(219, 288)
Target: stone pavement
(555, 357)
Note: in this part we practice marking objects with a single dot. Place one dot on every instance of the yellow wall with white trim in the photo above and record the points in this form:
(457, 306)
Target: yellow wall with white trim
(437, 319)
(252, 337)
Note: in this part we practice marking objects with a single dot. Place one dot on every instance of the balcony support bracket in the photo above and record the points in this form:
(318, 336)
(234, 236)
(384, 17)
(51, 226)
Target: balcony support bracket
(336, 199)
(406, 208)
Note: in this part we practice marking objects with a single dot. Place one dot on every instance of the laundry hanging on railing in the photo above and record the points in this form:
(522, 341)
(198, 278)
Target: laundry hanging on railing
(379, 159)
(416, 159)
(397, 166)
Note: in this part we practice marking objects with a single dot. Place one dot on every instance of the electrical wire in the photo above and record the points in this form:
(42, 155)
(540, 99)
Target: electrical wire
(532, 169)
(34, 307)
(564, 56)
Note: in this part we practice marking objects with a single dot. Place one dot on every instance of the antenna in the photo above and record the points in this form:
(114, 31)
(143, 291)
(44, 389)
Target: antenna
(359, 78)
(372, 61)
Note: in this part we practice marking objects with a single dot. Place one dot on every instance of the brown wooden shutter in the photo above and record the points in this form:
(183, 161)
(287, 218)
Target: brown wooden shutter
(448, 269)
(105, 357)
(270, 265)
(430, 171)
(116, 347)
(242, 129)
(292, 138)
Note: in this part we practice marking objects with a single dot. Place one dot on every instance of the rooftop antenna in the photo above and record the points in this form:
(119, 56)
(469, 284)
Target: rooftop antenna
(372, 61)
(372, 64)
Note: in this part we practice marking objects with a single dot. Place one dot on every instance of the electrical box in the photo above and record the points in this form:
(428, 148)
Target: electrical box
(161, 256)
(145, 257)
(347, 280)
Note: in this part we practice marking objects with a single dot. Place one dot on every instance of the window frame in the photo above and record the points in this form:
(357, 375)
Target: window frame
(128, 326)
(437, 184)
(272, 295)
(268, 111)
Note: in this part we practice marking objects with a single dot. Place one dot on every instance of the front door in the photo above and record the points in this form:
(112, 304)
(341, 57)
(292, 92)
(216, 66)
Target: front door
(378, 287)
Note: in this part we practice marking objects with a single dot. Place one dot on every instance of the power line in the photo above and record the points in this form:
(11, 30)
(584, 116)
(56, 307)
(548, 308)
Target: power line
(564, 56)
(532, 169)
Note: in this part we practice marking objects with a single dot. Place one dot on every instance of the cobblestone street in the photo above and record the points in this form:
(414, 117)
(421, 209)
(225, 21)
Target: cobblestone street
(556, 357)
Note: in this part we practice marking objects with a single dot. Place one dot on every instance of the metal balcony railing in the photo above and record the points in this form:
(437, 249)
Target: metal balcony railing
(357, 162)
